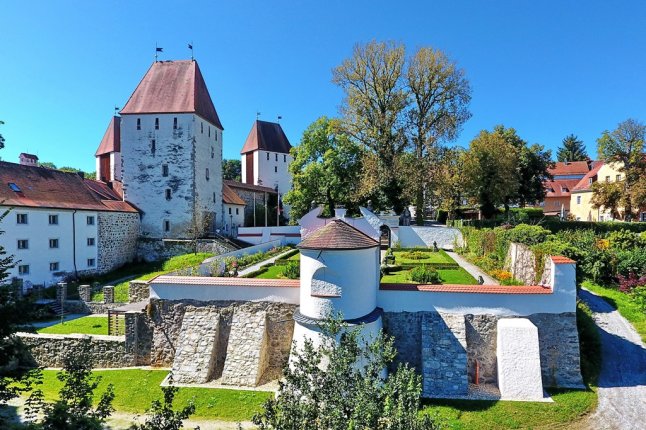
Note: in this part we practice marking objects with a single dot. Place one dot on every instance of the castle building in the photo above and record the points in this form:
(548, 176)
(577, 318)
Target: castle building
(164, 154)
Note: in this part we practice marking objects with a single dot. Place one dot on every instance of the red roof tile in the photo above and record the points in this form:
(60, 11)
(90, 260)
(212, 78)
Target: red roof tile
(473, 289)
(248, 187)
(111, 141)
(230, 197)
(49, 188)
(584, 183)
(337, 235)
(173, 87)
(570, 168)
(559, 259)
(266, 136)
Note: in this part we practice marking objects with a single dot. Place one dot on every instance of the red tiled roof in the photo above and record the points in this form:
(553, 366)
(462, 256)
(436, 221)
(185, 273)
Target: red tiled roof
(570, 168)
(111, 141)
(266, 136)
(249, 187)
(559, 259)
(230, 197)
(173, 87)
(49, 188)
(555, 188)
(226, 282)
(584, 183)
(337, 235)
(473, 289)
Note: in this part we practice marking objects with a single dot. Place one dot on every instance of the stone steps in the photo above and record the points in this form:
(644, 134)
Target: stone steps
(197, 346)
(246, 359)
(444, 356)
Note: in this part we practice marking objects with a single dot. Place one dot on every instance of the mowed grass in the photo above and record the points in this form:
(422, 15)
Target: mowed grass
(147, 271)
(430, 257)
(84, 325)
(135, 389)
(448, 276)
(623, 303)
(272, 272)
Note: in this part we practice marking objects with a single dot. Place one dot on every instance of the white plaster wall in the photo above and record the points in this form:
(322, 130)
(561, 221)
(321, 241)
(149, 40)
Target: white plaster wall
(232, 219)
(208, 155)
(289, 234)
(265, 170)
(115, 166)
(38, 231)
(243, 168)
(414, 236)
(354, 272)
(183, 291)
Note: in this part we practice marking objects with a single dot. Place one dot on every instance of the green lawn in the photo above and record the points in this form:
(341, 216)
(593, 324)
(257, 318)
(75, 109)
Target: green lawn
(448, 276)
(622, 302)
(430, 257)
(84, 325)
(272, 272)
(135, 389)
(147, 271)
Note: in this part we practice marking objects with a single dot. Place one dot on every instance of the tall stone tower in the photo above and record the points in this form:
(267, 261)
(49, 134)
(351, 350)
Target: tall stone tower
(166, 152)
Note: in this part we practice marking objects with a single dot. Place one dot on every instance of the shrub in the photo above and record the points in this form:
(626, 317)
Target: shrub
(425, 275)
(292, 270)
(638, 295)
(625, 240)
(633, 261)
(528, 234)
(631, 282)
(501, 275)
(414, 255)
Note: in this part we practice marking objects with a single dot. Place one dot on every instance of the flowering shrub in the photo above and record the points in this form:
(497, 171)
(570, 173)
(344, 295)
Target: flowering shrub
(501, 275)
(425, 275)
(631, 282)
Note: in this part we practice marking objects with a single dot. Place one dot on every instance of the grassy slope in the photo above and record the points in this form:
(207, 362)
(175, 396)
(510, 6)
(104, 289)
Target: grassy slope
(623, 304)
(146, 271)
(135, 389)
(85, 325)
(272, 272)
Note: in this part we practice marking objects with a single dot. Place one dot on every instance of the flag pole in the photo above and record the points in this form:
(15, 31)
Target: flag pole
(190, 46)
(156, 51)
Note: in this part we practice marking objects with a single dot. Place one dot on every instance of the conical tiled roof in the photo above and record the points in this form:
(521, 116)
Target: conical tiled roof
(111, 141)
(173, 87)
(266, 136)
(337, 235)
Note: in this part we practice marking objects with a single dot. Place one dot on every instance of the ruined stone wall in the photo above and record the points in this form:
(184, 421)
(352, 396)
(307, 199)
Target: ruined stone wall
(521, 263)
(117, 241)
(157, 249)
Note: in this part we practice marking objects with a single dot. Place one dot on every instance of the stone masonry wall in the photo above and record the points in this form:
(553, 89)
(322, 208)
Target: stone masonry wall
(138, 291)
(406, 329)
(48, 350)
(158, 249)
(117, 239)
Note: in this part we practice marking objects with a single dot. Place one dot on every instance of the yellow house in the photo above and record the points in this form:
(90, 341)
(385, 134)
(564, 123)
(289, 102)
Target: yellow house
(581, 195)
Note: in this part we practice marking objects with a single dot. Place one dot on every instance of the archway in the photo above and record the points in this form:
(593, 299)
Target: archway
(384, 236)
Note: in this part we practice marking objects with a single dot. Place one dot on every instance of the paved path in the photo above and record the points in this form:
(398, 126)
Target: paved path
(622, 381)
(473, 270)
(257, 266)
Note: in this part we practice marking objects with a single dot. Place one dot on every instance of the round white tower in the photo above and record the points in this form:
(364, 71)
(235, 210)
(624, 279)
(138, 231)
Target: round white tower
(339, 274)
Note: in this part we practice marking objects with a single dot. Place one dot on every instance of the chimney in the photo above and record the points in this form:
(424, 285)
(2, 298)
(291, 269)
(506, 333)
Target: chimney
(339, 213)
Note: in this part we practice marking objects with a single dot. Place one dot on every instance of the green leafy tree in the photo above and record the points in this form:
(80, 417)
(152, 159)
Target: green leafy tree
(440, 96)
(232, 170)
(341, 385)
(2, 140)
(325, 169)
(373, 114)
(448, 178)
(572, 149)
(610, 196)
(490, 171)
(625, 146)
(162, 416)
(47, 164)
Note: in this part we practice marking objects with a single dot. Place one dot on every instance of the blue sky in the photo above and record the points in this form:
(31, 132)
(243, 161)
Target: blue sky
(547, 68)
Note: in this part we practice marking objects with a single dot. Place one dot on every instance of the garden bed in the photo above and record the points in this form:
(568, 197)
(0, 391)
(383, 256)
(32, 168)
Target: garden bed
(448, 276)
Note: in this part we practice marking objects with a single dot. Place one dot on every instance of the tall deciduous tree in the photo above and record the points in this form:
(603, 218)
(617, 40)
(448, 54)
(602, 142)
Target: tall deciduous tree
(448, 180)
(490, 171)
(572, 149)
(373, 110)
(625, 146)
(232, 170)
(440, 96)
(325, 169)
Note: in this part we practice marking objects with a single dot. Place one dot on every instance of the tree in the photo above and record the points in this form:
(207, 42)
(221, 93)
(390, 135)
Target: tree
(373, 113)
(340, 384)
(232, 170)
(441, 95)
(47, 164)
(448, 180)
(490, 175)
(162, 415)
(2, 140)
(625, 146)
(325, 169)
(608, 195)
(572, 149)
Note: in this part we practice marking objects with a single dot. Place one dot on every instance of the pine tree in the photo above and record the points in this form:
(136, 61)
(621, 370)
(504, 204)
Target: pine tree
(572, 150)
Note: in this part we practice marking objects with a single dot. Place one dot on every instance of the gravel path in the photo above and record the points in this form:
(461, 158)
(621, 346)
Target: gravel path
(622, 381)
(473, 270)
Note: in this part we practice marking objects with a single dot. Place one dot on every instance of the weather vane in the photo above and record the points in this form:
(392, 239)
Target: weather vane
(190, 46)
(157, 51)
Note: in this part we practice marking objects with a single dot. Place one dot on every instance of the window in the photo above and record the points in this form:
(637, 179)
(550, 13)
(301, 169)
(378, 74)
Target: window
(23, 269)
(156, 123)
(53, 243)
(53, 267)
(175, 123)
(138, 123)
(212, 152)
(284, 158)
(168, 194)
(202, 127)
(14, 187)
(600, 217)
(275, 169)
(209, 131)
(237, 211)
(21, 218)
(213, 197)
(607, 178)
(90, 241)
(216, 134)
(578, 200)
(91, 262)
(276, 157)
(53, 219)
(618, 178)
(207, 174)
(23, 244)
(153, 145)
(268, 156)
(164, 169)
(229, 211)
(643, 216)
(166, 225)
(90, 220)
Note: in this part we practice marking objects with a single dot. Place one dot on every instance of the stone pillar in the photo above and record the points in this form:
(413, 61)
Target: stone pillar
(85, 292)
(61, 292)
(138, 291)
(108, 294)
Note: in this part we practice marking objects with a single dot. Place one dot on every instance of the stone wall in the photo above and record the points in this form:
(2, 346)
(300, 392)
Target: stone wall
(117, 239)
(48, 350)
(161, 249)
(405, 327)
(138, 291)
(521, 263)
(414, 236)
